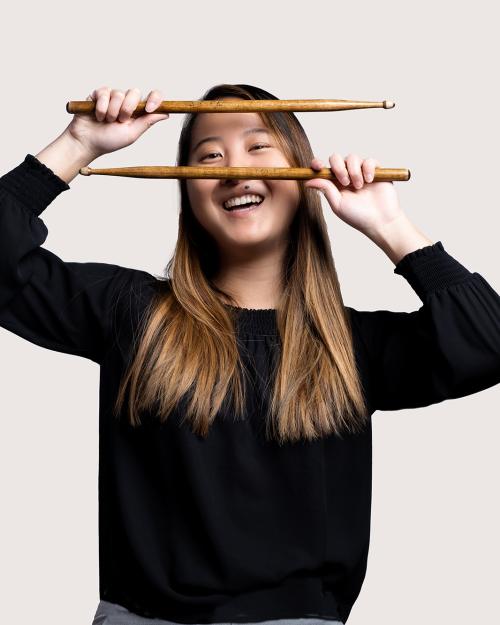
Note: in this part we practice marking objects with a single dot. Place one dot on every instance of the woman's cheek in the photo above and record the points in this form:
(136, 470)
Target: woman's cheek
(290, 194)
(201, 206)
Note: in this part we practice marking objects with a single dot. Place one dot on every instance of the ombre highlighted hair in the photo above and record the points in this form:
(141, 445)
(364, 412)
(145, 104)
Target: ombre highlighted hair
(186, 349)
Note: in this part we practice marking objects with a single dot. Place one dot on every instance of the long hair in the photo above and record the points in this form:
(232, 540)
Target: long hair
(187, 344)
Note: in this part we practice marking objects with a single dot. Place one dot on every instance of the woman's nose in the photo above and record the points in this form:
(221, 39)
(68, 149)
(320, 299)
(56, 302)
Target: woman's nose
(236, 160)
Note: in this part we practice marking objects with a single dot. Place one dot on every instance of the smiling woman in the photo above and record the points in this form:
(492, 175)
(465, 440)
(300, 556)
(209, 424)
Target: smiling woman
(236, 392)
(258, 235)
(271, 255)
(247, 344)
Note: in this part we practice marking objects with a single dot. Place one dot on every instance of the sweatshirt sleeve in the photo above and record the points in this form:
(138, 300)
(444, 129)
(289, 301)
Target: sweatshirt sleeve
(62, 306)
(448, 348)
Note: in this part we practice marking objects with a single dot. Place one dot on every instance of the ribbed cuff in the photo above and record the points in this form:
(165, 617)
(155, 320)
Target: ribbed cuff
(430, 268)
(33, 183)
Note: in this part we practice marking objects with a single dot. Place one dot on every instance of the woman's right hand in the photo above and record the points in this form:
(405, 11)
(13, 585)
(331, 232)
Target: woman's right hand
(111, 126)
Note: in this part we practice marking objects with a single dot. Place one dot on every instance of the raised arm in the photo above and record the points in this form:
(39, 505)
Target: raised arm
(448, 348)
(63, 306)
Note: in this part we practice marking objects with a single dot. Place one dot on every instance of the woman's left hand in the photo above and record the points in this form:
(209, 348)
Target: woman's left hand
(366, 206)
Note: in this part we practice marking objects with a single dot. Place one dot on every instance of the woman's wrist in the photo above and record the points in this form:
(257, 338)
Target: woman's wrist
(399, 238)
(65, 156)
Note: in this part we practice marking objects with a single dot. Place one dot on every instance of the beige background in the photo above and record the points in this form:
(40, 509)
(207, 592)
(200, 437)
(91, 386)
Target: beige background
(435, 546)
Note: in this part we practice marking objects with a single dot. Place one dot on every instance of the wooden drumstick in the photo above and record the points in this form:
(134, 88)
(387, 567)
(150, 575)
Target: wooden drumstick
(281, 173)
(85, 107)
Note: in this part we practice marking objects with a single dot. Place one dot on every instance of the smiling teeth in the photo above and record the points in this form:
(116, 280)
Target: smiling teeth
(244, 199)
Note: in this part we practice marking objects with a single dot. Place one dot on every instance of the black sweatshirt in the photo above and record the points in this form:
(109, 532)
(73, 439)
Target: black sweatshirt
(233, 528)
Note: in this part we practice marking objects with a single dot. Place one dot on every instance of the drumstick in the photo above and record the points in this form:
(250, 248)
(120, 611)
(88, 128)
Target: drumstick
(281, 173)
(85, 107)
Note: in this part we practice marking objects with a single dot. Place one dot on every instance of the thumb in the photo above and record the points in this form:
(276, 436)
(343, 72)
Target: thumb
(143, 122)
(328, 189)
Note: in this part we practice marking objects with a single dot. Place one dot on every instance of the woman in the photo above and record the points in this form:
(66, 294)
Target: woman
(236, 391)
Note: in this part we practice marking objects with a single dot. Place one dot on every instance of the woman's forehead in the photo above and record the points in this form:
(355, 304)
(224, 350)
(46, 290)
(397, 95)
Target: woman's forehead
(222, 123)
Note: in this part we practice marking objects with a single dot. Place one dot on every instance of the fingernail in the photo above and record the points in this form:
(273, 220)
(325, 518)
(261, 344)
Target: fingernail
(150, 106)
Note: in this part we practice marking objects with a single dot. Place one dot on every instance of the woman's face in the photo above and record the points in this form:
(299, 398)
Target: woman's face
(234, 142)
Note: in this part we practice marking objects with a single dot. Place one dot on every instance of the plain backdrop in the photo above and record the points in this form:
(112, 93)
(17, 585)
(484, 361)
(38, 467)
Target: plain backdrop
(435, 546)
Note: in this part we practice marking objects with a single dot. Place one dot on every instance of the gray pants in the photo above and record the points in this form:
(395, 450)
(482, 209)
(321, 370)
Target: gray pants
(114, 614)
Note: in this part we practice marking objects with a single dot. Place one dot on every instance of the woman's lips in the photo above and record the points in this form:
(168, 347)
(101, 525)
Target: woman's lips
(242, 212)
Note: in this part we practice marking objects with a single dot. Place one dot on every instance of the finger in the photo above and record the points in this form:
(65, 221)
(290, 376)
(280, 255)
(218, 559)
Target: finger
(129, 104)
(327, 188)
(339, 168)
(101, 97)
(353, 162)
(368, 168)
(316, 163)
(144, 122)
(115, 102)
(154, 99)
(331, 193)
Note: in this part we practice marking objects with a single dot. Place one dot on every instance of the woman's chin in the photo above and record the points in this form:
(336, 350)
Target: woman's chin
(236, 238)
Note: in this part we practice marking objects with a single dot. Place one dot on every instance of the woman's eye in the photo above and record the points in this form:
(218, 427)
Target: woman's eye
(207, 155)
(257, 145)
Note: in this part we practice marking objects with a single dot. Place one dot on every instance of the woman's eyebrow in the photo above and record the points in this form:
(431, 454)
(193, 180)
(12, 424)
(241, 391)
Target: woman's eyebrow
(248, 131)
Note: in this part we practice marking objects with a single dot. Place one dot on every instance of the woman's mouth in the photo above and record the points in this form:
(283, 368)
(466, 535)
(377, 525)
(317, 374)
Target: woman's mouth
(244, 209)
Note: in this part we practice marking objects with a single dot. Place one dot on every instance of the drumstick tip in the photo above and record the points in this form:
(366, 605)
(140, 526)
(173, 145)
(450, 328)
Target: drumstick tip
(85, 171)
(389, 104)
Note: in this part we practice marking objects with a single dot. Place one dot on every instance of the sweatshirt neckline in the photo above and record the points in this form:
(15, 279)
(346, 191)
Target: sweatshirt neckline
(255, 320)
